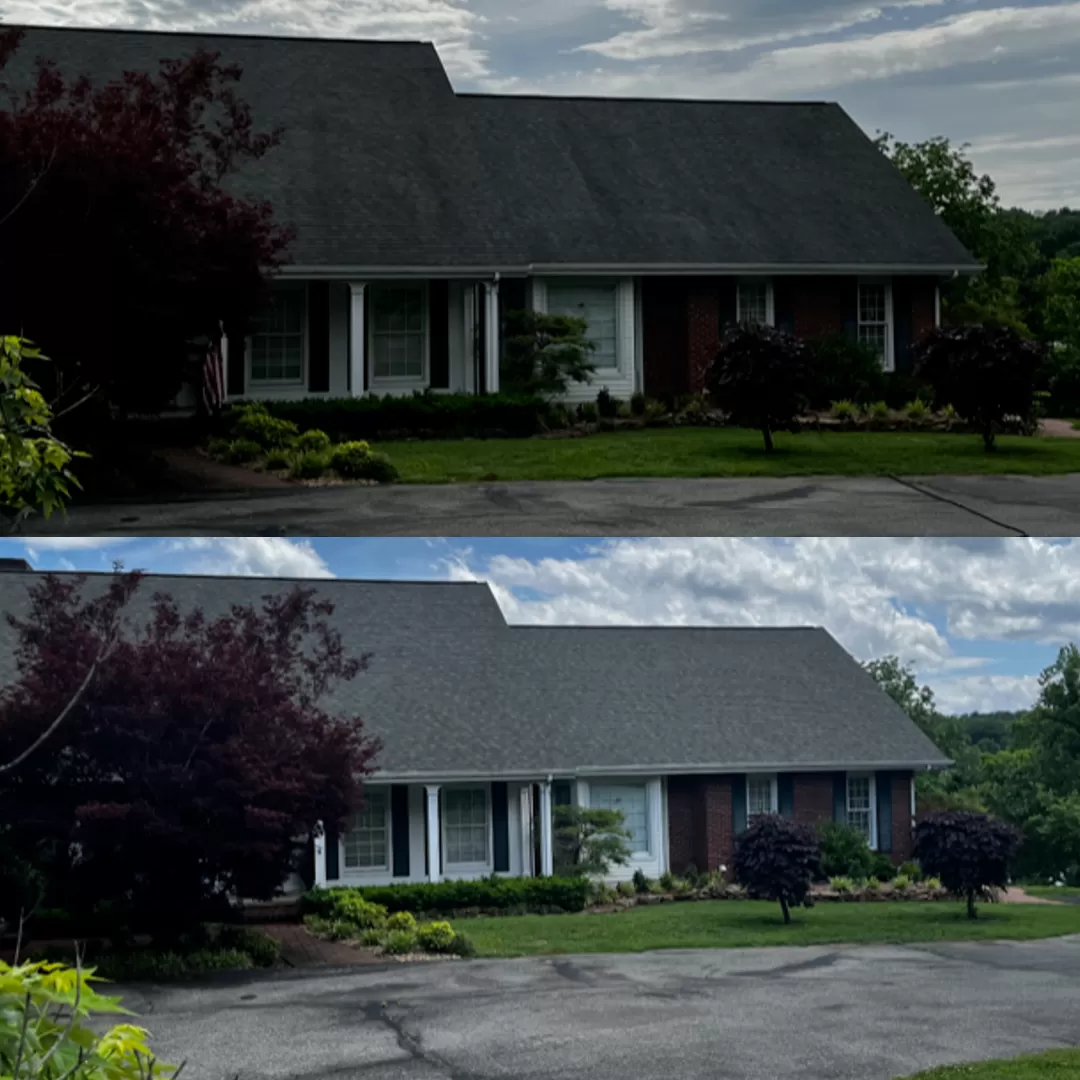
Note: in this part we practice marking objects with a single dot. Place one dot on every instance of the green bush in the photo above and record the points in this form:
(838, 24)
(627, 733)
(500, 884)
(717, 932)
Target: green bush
(423, 415)
(241, 452)
(879, 410)
(398, 942)
(667, 881)
(349, 459)
(900, 389)
(44, 1034)
(436, 937)
(917, 409)
(641, 882)
(901, 882)
(314, 439)
(380, 468)
(626, 888)
(872, 885)
(218, 448)
(401, 920)
(279, 459)
(352, 908)
(842, 369)
(263, 949)
(842, 884)
(499, 894)
(844, 851)
(148, 964)
(330, 929)
(606, 405)
(463, 945)
(911, 869)
(589, 412)
(882, 868)
(372, 937)
(637, 404)
(310, 466)
(253, 421)
(843, 410)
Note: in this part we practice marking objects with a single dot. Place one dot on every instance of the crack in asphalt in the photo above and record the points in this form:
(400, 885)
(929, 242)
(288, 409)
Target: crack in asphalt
(912, 486)
(378, 1012)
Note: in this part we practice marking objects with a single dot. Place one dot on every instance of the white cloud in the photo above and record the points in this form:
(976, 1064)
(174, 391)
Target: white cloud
(253, 556)
(72, 543)
(986, 693)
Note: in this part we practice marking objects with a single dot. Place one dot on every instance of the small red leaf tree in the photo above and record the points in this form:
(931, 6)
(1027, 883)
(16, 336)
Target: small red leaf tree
(778, 859)
(199, 755)
(123, 232)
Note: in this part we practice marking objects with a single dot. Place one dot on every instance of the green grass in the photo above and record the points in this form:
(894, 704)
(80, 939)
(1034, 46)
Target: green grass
(739, 923)
(724, 452)
(1052, 892)
(1054, 1065)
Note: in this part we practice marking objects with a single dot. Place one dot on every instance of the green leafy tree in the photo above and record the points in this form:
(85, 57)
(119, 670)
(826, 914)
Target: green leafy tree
(761, 377)
(1061, 309)
(35, 472)
(969, 852)
(1051, 731)
(543, 354)
(777, 859)
(987, 373)
(845, 852)
(589, 840)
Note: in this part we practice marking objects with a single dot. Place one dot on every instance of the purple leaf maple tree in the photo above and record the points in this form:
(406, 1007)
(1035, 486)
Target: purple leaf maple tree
(194, 764)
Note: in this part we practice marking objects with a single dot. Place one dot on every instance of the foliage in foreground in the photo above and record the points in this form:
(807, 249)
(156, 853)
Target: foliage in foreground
(969, 852)
(543, 354)
(44, 1033)
(356, 920)
(589, 841)
(777, 859)
(844, 851)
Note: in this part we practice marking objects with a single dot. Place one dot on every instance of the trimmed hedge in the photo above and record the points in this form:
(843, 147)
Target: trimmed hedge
(546, 894)
(430, 415)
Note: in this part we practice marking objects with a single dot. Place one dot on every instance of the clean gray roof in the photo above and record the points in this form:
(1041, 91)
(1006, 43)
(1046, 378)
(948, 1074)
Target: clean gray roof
(453, 691)
(383, 165)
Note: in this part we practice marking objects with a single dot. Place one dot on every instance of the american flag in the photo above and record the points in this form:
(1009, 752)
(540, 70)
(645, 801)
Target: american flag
(214, 361)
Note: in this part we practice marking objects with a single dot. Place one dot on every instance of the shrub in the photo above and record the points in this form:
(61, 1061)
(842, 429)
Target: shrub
(843, 410)
(314, 439)
(398, 942)
(532, 894)
(901, 882)
(988, 372)
(842, 884)
(667, 881)
(263, 949)
(311, 465)
(882, 868)
(330, 929)
(436, 937)
(879, 410)
(917, 409)
(692, 875)
(253, 421)
(349, 459)
(842, 369)
(148, 964)
(462, 945)
(760, 377)
(380, 468)
(844, 851)
(543, 354)
(371, 937)
(590, 413)
(606, 405)
(872, 885)
(44, 1009)
(626, 888)
(637, 404)
(911, 869)
(241, 452)
(777, 858)
(589, 840)
(969, 852)
(401, 920)
(218, 448)
(932, 883)
(642, 884)
(354, 909)
(278, 459)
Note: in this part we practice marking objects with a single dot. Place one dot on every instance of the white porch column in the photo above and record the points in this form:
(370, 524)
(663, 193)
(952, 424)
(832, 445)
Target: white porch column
(657, 826)
(527, 867)
(434, 853)
(491, 336)
(547, 859)
(320, 856)
(357, 338)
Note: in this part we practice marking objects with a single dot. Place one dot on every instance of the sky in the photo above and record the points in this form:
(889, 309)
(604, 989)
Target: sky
(1002, 76)
(978, 618)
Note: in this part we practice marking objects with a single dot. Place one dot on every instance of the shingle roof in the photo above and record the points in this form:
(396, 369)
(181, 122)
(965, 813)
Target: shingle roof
(453, 691)
(382, 165)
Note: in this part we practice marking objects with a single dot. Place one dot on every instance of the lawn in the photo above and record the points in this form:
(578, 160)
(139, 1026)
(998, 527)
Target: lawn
(1055, 1065)
(739, 923)
(724, 452)
(1052, 892)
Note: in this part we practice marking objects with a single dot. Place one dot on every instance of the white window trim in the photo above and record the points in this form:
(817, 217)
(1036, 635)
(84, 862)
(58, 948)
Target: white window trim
(261, 384)
(393, 382)
(360, 871)
(770, 299)
(467, 867)
(651, 839)
(774, 793)
(873, 802)
(888, 363)
(625, 337)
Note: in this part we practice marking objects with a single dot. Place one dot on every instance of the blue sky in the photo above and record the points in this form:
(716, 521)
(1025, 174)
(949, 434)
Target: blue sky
(979, 618)
(1000, 75)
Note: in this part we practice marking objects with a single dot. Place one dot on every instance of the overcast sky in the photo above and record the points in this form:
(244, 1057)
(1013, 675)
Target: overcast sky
(1002, 76)
(979, 618)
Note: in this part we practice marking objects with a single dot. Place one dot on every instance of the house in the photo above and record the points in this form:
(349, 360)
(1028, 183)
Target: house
(486, 727)
(423, 215)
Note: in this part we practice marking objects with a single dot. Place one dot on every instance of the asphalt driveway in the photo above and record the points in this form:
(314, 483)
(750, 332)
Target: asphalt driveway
(864, 1013)
(794, 506)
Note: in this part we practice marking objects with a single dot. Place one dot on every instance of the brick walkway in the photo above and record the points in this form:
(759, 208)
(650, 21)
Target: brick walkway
(301, 949)
(1059, 429)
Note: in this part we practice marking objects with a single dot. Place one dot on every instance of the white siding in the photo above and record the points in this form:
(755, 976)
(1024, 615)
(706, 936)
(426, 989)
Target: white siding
(620, 380)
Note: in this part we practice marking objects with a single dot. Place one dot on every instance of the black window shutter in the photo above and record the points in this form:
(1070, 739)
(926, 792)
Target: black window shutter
(560, 793)
(330, 840)
(234, 377)
(849, 290)
(727, 302)
(883, 784)
(839, 797)
(439, 332)
(399, 828)
(784, 304)
(901, 306)
(738, 803)
(318, 313)
(785, 794)
(500, 825)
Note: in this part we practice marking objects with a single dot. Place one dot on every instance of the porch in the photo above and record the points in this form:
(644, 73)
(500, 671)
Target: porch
(408, 833)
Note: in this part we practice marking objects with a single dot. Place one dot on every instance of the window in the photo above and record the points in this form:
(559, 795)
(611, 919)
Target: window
(632, 802)
(465, 823)
(367, 841)
(596, 304)
(754, 302)
(760, 795)
(277, 337)
(875, 320)
(860, 806)
(399, 331)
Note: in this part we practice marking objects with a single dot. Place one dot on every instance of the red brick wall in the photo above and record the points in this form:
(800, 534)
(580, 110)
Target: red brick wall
(818, 305)
(700, 828)
(813, 798)
(719, 828)
(922, 306)
(702, 330)
(901, 817)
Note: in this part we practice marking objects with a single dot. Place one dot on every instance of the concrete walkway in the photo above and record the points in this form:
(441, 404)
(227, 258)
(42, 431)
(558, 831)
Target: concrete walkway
(793, 506)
